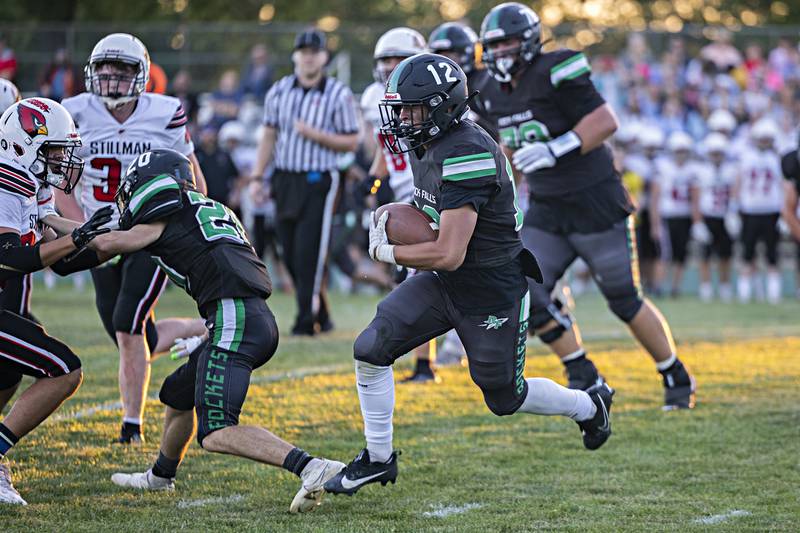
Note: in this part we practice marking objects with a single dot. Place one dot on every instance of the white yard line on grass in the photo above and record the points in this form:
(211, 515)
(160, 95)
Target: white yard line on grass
(302, 373)
(186, 504)
(269, 378)
(443, 511)
(719, 518)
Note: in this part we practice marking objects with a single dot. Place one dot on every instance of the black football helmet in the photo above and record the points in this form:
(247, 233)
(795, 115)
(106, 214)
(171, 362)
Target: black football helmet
(148, 190)
(510, 21)
(436, 86)
(456, 38)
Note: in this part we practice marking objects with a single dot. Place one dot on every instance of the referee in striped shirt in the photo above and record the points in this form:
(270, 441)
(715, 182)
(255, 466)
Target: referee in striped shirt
(309, 119)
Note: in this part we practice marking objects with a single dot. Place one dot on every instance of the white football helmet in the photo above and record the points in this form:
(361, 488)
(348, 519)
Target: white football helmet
(628, 133)
(722, 121)
(9, 94)
(233, 130)
(398, 42)
(715, 142)
(765, 128)
(111, 86)
(30, 129)
(651, 137)
(680, 140)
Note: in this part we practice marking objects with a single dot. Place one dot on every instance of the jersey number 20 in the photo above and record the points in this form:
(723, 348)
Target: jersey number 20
(216, 220)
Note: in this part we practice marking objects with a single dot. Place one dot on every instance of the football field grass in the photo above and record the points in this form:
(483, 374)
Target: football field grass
(731, 464)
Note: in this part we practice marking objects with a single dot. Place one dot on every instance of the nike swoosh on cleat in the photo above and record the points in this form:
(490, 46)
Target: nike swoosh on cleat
(605, 426)
(347, 484)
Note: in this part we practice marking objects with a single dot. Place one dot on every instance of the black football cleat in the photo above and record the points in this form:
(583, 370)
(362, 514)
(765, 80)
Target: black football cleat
(129, 434)
(422, 376)
(361, 471)
(597, 429)
(679, 388)
(583, 375)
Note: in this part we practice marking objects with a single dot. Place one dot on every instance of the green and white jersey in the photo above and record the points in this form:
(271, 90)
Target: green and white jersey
(553, 94)
(466, 167)
(203, 248)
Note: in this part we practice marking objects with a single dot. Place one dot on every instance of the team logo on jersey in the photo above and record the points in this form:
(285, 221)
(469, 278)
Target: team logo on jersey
(32, 121)
(493, 322)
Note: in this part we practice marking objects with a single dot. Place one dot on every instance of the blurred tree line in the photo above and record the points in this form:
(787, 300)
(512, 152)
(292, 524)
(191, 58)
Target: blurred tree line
(421, 13)
(206, 37)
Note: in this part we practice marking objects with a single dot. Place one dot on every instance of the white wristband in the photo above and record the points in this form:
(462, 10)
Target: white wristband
(564, 144)
(385, 253)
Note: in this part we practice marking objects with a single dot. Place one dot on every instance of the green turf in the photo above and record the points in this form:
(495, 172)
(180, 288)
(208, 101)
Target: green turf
(738, 451)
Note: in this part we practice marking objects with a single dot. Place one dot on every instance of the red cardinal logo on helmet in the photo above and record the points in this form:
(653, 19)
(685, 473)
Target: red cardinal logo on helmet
(32, 121)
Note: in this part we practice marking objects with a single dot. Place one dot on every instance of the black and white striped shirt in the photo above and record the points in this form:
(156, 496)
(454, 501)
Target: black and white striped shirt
(327, 107)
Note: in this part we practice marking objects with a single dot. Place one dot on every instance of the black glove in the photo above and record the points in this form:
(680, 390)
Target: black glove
(91, 228)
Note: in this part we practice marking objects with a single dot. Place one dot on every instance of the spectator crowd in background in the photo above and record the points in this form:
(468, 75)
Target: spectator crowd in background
(658, 97)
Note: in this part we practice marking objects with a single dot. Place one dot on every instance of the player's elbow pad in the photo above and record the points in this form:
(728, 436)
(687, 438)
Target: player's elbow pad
(85, 260)
(17, 260)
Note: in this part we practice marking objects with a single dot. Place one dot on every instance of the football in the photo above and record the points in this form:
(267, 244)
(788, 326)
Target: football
(407, 224)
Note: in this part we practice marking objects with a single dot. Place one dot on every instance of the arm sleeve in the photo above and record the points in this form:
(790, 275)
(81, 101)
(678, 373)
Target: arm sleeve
(17, 260)
(84, 260)
(178, 129)
(271, 103)
(574, 93)
(345, 119)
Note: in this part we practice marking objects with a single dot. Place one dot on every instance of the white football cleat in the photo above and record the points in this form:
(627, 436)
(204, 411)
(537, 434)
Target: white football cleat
(8, 494)
(314, 476)
(143, 481)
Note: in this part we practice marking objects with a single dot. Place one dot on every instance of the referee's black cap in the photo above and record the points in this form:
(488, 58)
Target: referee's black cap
(311, 38)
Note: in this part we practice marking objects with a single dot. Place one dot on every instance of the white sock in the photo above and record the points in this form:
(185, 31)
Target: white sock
(773, 287)
(546, 397)
(725, 292)
(573, 355)
(375, 386)
(744, 288)
(663, 365)
(706, 292)
(131, 420)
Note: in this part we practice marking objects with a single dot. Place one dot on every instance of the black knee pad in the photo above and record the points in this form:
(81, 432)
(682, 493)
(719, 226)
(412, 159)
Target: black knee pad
(626, 307)
(504, 387)
(370, 345)
(555, 312)
(177, 391)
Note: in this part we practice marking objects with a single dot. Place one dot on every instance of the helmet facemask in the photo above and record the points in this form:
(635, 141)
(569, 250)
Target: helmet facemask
(504, 64)
(116, 80)
(427, 120)
(57, 164)
(383, 68)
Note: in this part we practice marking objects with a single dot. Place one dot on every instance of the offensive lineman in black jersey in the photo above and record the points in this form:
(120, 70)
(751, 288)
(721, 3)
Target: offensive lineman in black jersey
(473, 275)
(202, 247)
(551, 117)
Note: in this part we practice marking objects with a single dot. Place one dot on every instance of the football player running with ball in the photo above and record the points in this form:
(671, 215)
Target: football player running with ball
(203, 248)
(118, 121)
(473, 276)
(553, 120)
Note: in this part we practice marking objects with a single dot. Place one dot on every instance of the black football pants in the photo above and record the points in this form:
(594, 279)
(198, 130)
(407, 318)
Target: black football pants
(304, 234)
